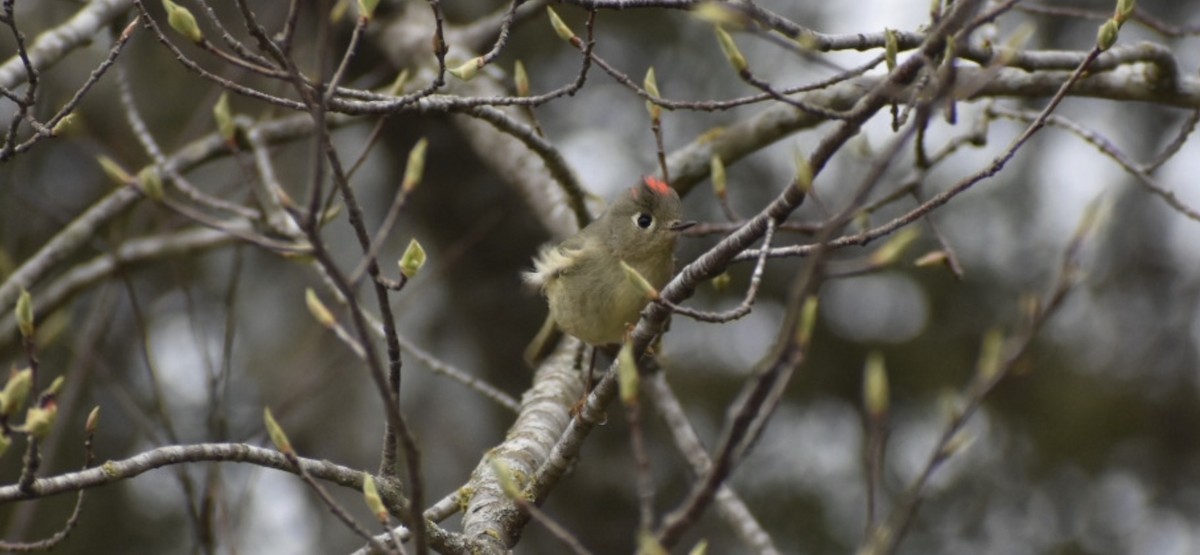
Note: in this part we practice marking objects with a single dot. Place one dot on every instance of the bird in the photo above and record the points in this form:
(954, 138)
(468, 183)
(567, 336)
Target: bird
(590, 295)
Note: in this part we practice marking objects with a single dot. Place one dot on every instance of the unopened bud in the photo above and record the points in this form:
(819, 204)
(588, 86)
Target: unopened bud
(318, 309)
(933, 258)
(467, 70)
(55, 387)
(649, 545)
(65, 125)
(808, 321)
(366, 8)
(957, 444)
(1106, 35)
(371, 496)
(701, 548)
(114, 171)
(15, 392)
(717, 169)
(39, 420)
(338, 12)
(414, 170)
(638, 280)
(560, 27)
(182, 21)
(93, 421)
(520, 79)
(223, 114)
(875, 386)
(892, 48)
(150, 181)
(721, 282)
(627, 374)
(650, 83)
(719, 13)
(279, 438)
(735, 57)
(413, 259)
(892, 250)
(989, 355)
(24, 314)
(804, 174)
(1125, 9)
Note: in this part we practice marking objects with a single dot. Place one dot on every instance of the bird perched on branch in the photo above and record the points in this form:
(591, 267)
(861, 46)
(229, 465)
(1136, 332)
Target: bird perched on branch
(591, 296)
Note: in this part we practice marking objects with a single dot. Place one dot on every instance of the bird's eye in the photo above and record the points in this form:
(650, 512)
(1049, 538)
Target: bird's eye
(643, 220)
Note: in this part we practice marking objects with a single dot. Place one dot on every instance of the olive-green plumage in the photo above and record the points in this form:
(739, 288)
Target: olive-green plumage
(590, 296)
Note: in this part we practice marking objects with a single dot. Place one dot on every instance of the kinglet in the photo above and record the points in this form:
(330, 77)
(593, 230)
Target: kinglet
(590, 296)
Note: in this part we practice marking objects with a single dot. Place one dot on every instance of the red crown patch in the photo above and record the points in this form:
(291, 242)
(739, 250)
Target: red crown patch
(658, 186)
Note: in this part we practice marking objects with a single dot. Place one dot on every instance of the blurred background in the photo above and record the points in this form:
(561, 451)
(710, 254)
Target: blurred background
(1092, 446)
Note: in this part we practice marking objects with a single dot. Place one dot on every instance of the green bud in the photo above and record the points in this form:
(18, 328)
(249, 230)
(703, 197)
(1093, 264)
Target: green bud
(808, 321)
(468, 70)
(957, 444)
(279, 438)
(990, 355)
(371, 496)
(1106, 36)
(701, 548)
(39, 420)
(338, 12)
(150, 182)
(413, 259)
(638, 280)
(114, 171)
(648, 544)
(892, 48)
(504, 476)
(414, 170)
(894, 248)
(65, 125)
(24, 314)
(93, 421)
(651, 86)
(718, 13)
(804, 173)
(1015, 43)
(16, 391)
(1125, 10)
(318, 309)
(716, 168)
(366, 8)
(182, 21)
(875, 386)
(627, 374)
(520, 79)
(862, 219)
(933, 258)
(721, 282)
(223, 113)
(398, 85)
(560, 27)
(735, 57)
(55, 387)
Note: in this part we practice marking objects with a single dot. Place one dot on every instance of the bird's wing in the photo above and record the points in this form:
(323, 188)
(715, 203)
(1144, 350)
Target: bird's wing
(554, 261)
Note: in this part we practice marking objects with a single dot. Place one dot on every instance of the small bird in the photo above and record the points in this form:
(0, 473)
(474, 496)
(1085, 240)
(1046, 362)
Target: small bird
(590, 296)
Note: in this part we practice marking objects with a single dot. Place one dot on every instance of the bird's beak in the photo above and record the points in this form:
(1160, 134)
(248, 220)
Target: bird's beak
(680, 226)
